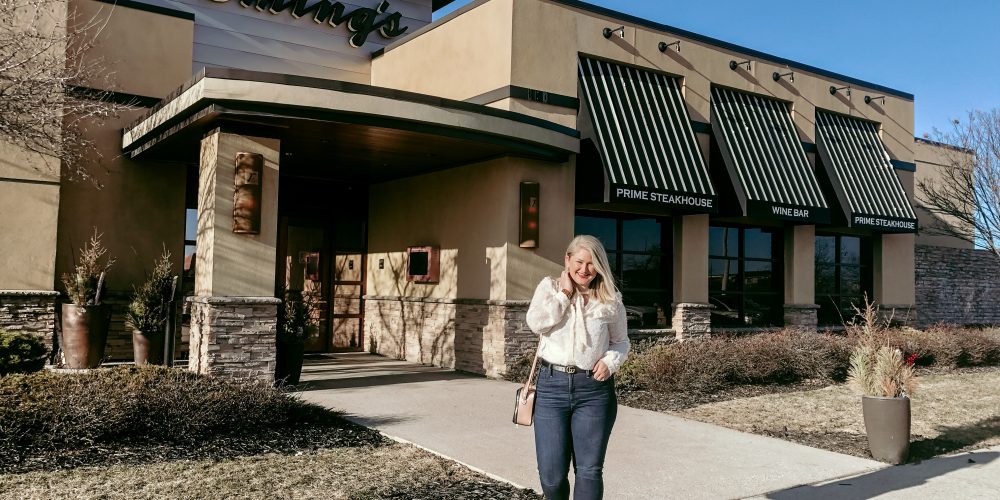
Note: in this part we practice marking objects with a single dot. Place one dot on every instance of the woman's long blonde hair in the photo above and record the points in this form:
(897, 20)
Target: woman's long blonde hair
(603, 285)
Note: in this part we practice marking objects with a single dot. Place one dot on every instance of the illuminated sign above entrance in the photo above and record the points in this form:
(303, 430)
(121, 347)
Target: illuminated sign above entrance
(361, 22)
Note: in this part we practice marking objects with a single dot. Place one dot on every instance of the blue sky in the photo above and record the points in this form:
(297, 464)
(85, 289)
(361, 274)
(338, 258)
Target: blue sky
(945, 53)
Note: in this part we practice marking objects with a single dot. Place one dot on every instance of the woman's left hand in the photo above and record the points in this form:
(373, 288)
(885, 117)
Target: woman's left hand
(601, 371)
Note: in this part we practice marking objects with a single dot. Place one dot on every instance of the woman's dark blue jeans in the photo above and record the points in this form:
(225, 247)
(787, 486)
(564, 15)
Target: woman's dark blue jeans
(574, 415)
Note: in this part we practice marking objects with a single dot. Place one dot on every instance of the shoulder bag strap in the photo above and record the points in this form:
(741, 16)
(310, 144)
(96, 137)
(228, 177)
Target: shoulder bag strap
(531, 375)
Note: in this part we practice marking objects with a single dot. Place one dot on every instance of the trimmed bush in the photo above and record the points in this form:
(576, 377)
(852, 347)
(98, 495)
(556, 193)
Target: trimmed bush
(950, 347)
(51, 415)
(712, 364)
(21, 352)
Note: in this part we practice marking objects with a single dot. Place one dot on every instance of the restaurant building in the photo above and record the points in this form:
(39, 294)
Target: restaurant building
(419, 178)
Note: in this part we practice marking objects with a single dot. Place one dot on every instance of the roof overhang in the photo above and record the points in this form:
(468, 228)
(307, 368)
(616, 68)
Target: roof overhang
(379, 120)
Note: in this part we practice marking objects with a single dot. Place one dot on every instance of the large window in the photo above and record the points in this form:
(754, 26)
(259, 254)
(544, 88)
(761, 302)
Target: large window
(639, 254)
(744, 276)
(843, 276)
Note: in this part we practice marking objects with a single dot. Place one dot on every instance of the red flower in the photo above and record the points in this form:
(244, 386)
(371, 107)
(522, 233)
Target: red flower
(912, 358)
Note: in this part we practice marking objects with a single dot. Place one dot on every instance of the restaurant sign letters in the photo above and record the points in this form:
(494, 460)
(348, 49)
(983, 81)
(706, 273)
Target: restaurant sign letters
(361, 22)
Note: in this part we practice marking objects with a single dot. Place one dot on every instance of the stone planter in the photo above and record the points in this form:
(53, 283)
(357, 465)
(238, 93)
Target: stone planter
(147, 348)
(887, 423)
(84, 334)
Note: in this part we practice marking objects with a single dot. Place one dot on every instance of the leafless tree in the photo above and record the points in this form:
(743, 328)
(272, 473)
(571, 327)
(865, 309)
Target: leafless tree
(966, 196)
(47, 77)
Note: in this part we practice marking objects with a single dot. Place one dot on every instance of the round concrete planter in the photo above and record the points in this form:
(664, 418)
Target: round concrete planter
(887, 423)
(147, 349)
(84, 334)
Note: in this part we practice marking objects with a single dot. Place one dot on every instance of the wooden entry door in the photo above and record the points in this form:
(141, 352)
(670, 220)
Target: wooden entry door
(346, 303)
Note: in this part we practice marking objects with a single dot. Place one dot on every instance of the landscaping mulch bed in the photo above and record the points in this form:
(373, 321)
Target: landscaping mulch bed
(953, 411)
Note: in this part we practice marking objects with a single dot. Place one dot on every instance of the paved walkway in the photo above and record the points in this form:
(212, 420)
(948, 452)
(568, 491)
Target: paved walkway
(651, 455)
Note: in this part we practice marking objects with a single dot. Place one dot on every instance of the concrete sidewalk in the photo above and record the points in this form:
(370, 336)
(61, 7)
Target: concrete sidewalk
(651, 455)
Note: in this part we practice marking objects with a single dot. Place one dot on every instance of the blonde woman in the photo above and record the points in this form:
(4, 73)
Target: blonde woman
(583, 341)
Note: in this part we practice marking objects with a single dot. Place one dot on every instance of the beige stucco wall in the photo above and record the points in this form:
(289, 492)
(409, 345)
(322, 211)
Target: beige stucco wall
(29, 202)
(463, 57)
(139, 207)
(933, 163)
(691, 259)
(545, 39)
(231, 264)
(138, 52)
(800, 265)
(471, 213)
(893, 271)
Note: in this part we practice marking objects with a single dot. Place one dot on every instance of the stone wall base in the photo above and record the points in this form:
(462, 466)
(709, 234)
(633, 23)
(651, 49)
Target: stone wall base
(801, 316)
(692, 320)
(29, 311)
(477, 336)
(898, 314)
(234, 336)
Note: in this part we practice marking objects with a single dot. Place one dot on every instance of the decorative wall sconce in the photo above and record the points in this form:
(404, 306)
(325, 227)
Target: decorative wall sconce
(869, 99)
(608, 31)
(733, 64)
(247, 192)
(777, 76)
(834, 90)
(663, 46)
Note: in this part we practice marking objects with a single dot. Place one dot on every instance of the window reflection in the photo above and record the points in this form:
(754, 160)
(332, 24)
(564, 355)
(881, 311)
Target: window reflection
(758, 244)
(743, 281)
(843, 276)
(641, 235)
(602, 228)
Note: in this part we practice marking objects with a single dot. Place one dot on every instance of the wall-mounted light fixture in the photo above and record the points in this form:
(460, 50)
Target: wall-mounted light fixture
(777, 76)
(663, 46)
(608, 31)
(846, 88)
(733, 64)
(869, 99)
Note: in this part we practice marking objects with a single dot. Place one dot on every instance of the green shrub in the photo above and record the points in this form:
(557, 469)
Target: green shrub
(21, 352)
(147, 312)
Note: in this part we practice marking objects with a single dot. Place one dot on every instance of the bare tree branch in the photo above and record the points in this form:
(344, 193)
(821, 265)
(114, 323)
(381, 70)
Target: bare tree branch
(967, 195)
(43, 60)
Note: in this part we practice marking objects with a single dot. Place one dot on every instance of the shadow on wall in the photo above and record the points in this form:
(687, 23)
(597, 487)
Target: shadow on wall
(413, 326)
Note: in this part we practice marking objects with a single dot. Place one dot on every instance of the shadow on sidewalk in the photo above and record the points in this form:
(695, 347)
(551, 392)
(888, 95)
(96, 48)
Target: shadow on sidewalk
(888, 479)
(376, 380)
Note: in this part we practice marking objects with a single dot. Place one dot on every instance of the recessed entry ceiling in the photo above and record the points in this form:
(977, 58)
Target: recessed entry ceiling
(341, 151)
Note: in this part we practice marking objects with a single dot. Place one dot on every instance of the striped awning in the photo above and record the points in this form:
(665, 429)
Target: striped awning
(764, 157)
(860, 171)
(644, 138)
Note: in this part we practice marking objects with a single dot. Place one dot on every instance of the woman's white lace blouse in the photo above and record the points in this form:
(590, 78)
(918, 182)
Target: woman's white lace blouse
(576, 334)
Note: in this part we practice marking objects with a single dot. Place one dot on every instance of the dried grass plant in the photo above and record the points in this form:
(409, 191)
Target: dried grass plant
(877, 368)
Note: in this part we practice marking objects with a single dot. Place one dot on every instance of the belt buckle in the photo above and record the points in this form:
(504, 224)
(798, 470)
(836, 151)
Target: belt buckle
(571, 369)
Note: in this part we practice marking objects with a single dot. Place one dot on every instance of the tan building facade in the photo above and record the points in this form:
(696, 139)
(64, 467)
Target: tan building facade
(418, 185)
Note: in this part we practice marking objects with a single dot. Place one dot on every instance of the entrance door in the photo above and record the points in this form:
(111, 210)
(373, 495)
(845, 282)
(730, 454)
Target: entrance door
(324, 264)
(345, 313)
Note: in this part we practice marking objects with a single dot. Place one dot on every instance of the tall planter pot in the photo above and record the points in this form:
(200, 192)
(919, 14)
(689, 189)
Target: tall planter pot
(887, 423)
(84, 334)
(147, 349)
(288, 362)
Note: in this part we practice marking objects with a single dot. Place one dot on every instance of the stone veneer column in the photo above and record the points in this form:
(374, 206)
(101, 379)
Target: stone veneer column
(29, 311)
(692, 313)
(800, 277)
(234, 311)
(234, 336)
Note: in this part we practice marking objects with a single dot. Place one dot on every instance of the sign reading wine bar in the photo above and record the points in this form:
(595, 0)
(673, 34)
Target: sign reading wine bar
(361, 22)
